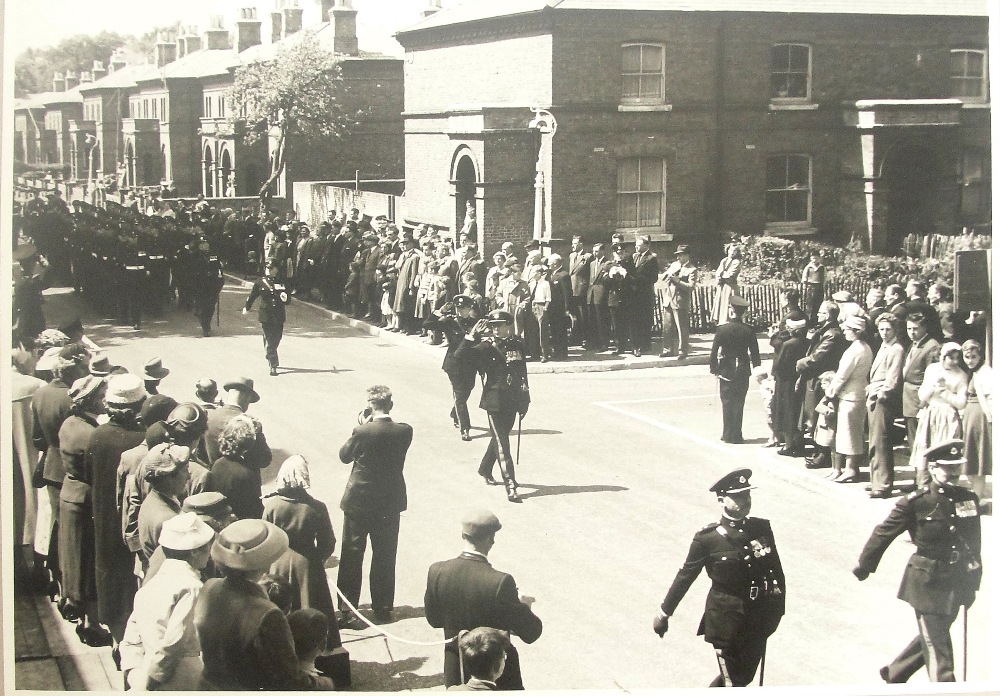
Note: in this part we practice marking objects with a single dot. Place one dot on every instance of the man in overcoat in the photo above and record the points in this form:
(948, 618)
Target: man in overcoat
(373, 499)
(643, 270)
(944, 572)
(456, 319)
(924, 349)
(597, 323)
(826, 345)
(747, 597)
(467, 592)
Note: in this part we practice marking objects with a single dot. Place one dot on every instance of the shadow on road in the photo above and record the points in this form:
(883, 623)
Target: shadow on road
(538, 490)
(393, 676)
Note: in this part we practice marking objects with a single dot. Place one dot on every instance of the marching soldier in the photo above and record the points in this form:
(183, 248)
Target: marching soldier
(456, 319)
(747, 597)
(500, 357)
(273, 296)
(207, 281)
(132, 262)
(944, 572)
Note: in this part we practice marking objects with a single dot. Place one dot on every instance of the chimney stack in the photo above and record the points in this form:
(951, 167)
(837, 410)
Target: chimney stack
(433, 6)
(165, 50)
(192, 40)
(216, 36)
(344, 18)
(85, 77)
(293, 17)
(98, 70)
(277, 22)
(58, 82)
(118, 60)
(181, 45)
(247, 29)
(72, 79)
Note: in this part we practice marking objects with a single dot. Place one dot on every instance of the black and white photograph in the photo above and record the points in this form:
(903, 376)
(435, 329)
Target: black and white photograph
(475, 345)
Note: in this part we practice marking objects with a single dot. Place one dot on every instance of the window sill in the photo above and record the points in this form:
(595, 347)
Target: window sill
(645, 107)
(791, 230)
(792, 106)
(976, 105)
(655, 234)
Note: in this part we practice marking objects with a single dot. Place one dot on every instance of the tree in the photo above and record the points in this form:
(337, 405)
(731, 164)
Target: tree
(33, 69)
(299, 94)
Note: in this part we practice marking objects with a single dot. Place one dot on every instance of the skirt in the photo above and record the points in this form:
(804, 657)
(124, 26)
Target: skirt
(720, 303)
(978, 441)
(936, 423)
(851, 419)
(76, 552)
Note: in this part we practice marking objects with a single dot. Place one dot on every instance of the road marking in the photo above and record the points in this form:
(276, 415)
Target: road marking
(662, 398)
(698, 439)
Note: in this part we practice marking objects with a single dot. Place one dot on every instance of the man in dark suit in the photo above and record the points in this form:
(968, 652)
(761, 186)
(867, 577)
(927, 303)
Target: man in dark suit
(924, 349)
(747, 598)
(579, 273)
(455, 320)
(734, 353)
(826, 345)
(560, 286)
(374, 497)
(273, 296)
(239, 395)
(466, 592)
(597, 299)
(644, 269)
(944, 572)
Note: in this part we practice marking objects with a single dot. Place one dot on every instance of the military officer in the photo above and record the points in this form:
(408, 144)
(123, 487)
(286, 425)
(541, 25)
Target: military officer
(944, 572)
(273, 296)
(207, 281)
(747, 597)
(734, 353)
(456, 319)
(499, 355)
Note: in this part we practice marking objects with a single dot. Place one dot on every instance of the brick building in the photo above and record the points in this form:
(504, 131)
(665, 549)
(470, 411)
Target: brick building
(819, 118)
(42, 122)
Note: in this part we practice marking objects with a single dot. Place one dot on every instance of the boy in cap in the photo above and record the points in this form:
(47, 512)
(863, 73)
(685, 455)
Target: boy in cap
(747, 598)
(943, 573)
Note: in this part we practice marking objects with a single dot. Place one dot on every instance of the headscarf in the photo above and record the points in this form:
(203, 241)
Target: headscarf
(294, 473)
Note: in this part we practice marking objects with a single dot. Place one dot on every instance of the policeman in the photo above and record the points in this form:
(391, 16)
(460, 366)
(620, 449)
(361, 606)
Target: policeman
(734, 353)
(945, 571)
(207, 281)
(273, 296)
(747, 598)
(456, 319)
(499, 355)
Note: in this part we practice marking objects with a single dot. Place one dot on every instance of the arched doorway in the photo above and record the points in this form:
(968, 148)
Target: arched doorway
(910, 174)
(207, 182)
(227, 188)
(465, 188)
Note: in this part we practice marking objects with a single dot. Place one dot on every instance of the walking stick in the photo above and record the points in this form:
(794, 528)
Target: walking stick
(517, 458)
(218, 310)
(965, 642)
(763, 659)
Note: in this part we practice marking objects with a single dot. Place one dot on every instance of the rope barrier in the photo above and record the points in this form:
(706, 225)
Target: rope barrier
(357, 613)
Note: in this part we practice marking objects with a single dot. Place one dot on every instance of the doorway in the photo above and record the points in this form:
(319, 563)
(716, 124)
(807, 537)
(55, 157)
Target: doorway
(465, 190)
(910, 173)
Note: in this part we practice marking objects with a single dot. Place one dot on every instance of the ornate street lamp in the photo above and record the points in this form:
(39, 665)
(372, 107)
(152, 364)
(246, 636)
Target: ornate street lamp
(545, 123)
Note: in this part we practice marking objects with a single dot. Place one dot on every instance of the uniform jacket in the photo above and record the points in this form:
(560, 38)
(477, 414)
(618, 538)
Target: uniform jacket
(274, 295)
(748, 583)
(501, 362)
(246, 643)
(915, 362)
(467, 592)
(377, 450)
(50, 406)
(457, 361)
(734, 351)
(579, 272)
(944, 524)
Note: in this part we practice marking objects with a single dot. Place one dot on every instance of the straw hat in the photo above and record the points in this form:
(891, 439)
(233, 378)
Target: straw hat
(249, 545)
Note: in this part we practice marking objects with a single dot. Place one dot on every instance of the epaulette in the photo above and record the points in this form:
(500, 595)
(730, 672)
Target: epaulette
(919, 492)
(709, 526)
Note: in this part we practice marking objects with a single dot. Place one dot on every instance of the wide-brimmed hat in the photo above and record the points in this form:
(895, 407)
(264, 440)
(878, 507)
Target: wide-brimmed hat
(100, 365)
(187, 418)
(185, 532)
(154, 369)
(47, 361)
(163, 460)
(249, 545)
(84, 387)
(244, 384)
(125, 389)
(682, 249)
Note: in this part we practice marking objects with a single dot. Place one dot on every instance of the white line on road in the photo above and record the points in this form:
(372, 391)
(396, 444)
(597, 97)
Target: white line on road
(662, 398)
(698, 439)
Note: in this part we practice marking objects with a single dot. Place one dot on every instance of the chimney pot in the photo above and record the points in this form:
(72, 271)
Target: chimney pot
(165, 50)
(98, 70)
(344, 18)
(118, 60)
(86, 76)
(293, 17)
(247, 29)
(277, 22)
(58, 82)
(433, 6)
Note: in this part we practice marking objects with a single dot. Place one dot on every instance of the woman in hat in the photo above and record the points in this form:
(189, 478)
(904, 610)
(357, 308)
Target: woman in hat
(977, 420)
(246, 643)
(726, 277)
(76, 517)
(235, 474)
(943, 395)
(165, 469)
(160, 649)
(311, 541)
(848, 386)
(113, 560)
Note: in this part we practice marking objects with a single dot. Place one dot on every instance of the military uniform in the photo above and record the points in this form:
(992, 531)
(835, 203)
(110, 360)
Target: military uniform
(459, 364)
(207, 281)
(273, 296)
(943, 574)
(734, 352)
(747, 597)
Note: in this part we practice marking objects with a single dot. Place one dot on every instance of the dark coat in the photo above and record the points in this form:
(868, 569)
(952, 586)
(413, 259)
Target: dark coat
(458, 361)
(246, 643)
(240, 482)
(944, 524)
(748, 583)
(734, 351)
(597, 289)
(467, 592)
(826, 345)
(50, 406)
(274, 295)
(378, 451)
(643, 273)
(560, 286)
(579, 272)
(76, 520)
(156, 509)
(218, 418)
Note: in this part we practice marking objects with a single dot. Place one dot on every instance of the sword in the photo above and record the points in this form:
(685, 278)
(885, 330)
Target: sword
(763, 658)
(517, 459)
(965, 642)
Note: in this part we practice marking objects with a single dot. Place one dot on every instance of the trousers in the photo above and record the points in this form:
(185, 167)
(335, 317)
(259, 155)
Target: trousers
(931, 648)
(733, 394)
(676, 330)
(272, 337)
(501, 423)
(461, 388)
(383, 530)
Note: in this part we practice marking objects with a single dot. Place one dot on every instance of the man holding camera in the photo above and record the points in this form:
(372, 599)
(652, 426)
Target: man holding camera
(499, 355)
(373, 499)
(944, 572)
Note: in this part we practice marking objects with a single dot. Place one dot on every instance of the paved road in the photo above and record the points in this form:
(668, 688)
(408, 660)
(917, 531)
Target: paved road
(614, 472)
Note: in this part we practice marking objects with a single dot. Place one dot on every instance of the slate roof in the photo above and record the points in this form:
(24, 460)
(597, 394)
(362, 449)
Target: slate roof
(324, 33)
(476, 10)
(121, 78)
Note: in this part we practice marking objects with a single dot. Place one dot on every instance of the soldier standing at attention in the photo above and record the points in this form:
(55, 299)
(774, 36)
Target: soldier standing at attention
(207, 280)
(944, 572)
(734, 353)
(273, 297)
(747, 598)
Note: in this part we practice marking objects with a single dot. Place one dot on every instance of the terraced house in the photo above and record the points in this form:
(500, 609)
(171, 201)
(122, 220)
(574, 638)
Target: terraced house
(816, 118)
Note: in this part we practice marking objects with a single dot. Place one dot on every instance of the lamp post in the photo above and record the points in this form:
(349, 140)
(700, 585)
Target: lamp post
(545, 123)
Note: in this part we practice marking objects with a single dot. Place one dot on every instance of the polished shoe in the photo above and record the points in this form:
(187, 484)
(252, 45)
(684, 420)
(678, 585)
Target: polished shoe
(349, 621)
(665, 354)
(466, 437)
(274, 372)
(512, 495)
(637, 353)
(789, 452)
(94, 637)
(490, 481)
(681, 356)
(382, 616)
(884, 673)
(812, 463)
(881, 494)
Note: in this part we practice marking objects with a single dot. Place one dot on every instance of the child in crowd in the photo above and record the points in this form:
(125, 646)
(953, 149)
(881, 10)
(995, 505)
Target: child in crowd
(309, 630)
